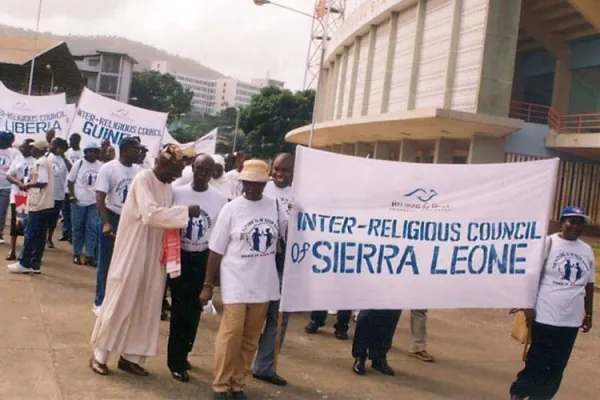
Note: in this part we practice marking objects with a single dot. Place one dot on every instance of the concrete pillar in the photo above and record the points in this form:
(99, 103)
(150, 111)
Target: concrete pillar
(348, 149)
(408, 151)
(486, 150)
(389, 65)
(416, 56)
(321, 95)
(502, 33)
(443, 152)
(369, 72)
(363, 149)
(561, 97)
(336, 148)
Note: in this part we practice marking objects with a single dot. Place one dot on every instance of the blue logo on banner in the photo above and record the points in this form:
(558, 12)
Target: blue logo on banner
(422, 194)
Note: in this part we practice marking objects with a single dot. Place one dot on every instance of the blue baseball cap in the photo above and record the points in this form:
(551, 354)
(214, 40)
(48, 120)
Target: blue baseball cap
(6, 135)
(574, 212)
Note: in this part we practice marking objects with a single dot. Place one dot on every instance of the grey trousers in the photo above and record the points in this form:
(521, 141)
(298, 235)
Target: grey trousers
(4, 203)
(418, 328)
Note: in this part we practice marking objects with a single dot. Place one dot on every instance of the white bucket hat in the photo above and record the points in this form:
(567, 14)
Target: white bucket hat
(255, 171)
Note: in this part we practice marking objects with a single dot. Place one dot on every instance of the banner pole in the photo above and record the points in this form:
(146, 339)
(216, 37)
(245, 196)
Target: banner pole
(278, 340)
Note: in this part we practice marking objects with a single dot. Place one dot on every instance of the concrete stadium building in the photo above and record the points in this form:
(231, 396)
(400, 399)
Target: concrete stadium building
(467, 81)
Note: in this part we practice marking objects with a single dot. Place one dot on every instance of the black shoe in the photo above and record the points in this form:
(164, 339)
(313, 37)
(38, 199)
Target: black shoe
(77, 260)
(341, 335)
(63, 239)
(359, 366)
(382, 366)
(91, 262)
(188, 366)
(221, 396)
(180, 376)
(239, 395)
(272, 379)
(312, 327)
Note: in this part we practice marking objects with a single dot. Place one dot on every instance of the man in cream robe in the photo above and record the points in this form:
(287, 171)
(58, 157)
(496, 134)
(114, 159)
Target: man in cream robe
(130, 316)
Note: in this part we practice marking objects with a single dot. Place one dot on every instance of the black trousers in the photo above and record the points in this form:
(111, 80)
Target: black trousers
(374, 333)
(185, 308)
(546, 361)
(343, 319)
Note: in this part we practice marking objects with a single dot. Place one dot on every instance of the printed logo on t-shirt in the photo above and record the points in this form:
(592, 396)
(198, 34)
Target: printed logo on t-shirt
(88, 178)
(195, 232)
(572, 268)
(4, 161)
(56, 168)
(122, 189)
(261, 236)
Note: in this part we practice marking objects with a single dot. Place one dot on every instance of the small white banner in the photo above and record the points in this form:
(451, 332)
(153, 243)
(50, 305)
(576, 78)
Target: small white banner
(371, 234)
(207, 144)
(98, 118)
(29, 117)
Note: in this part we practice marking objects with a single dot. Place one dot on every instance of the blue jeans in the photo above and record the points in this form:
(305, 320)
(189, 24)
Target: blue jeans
(84, 220)
(35, 239)
(106, 245)
(4, 203)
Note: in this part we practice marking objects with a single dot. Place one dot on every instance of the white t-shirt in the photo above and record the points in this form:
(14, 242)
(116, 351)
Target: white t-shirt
(60, 176)
(115, 179)
(7, 156)
(187, 176)
(246, 235)
(569, 268)
(21, 169)
(74, 155)
(41, 199)
(195, 237)
(84, 175)
(284, 198)
(235, 185)
(221, 185)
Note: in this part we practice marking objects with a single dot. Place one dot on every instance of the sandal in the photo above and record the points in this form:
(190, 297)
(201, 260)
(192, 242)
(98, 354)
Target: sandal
(50, 244)
(11, 256)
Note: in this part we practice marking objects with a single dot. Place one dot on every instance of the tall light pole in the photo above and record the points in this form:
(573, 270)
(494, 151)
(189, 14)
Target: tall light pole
(321, 9)
(237, 126)
(49, 68)
(37, 29)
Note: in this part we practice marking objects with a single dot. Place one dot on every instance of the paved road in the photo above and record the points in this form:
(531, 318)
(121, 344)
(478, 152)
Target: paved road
(46, 321)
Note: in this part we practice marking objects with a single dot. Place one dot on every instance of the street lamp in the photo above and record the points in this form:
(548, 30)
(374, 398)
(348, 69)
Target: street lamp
(325, 38)
(49, 68)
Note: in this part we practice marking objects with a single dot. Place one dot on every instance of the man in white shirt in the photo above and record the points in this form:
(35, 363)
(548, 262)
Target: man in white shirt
(18, 174)
(112, 188)
(84, 213)
(61, 166)
(235, 186)
(185, 289)
(280, 188)
(40, 202)
(74, 154)
(218, 180)
(7, 156)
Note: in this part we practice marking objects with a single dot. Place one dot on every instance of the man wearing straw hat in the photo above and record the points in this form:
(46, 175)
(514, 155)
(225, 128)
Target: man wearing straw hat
(243, 245)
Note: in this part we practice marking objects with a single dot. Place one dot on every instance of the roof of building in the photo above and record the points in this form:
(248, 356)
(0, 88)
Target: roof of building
(20, 50)
(99, 52)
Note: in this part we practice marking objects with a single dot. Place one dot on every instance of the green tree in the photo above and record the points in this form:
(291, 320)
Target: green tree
(160, 92)
(271, 115)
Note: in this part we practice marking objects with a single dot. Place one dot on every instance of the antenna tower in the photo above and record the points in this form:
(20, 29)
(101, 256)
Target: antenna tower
(328, 17)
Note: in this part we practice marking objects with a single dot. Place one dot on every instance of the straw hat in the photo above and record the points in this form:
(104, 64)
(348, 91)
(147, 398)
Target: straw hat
(255, 171)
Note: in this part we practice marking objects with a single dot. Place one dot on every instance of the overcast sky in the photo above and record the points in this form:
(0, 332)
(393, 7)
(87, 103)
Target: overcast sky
(234, 37)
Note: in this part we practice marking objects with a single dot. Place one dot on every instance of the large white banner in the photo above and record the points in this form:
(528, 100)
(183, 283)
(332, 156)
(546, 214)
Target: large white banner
(31, 116)
(371, 234)
(98, 118)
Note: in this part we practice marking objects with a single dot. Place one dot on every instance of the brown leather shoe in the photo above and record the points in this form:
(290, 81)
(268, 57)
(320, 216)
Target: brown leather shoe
(100, 369)
(133, 368)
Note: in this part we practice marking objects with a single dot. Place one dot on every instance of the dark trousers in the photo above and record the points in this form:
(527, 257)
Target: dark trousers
(58, 205)
(106, 244)
(547, 359)
(374, 333)
(66, 214)
(343, 319)
(185, 308)
(35, 239)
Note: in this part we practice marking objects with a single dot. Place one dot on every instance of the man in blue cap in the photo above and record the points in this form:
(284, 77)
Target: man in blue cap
(84, 213)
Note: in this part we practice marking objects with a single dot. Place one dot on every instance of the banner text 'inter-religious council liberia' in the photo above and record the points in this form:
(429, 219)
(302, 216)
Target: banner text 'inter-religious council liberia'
(371, 234)
(29, 117)
(98, 118)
